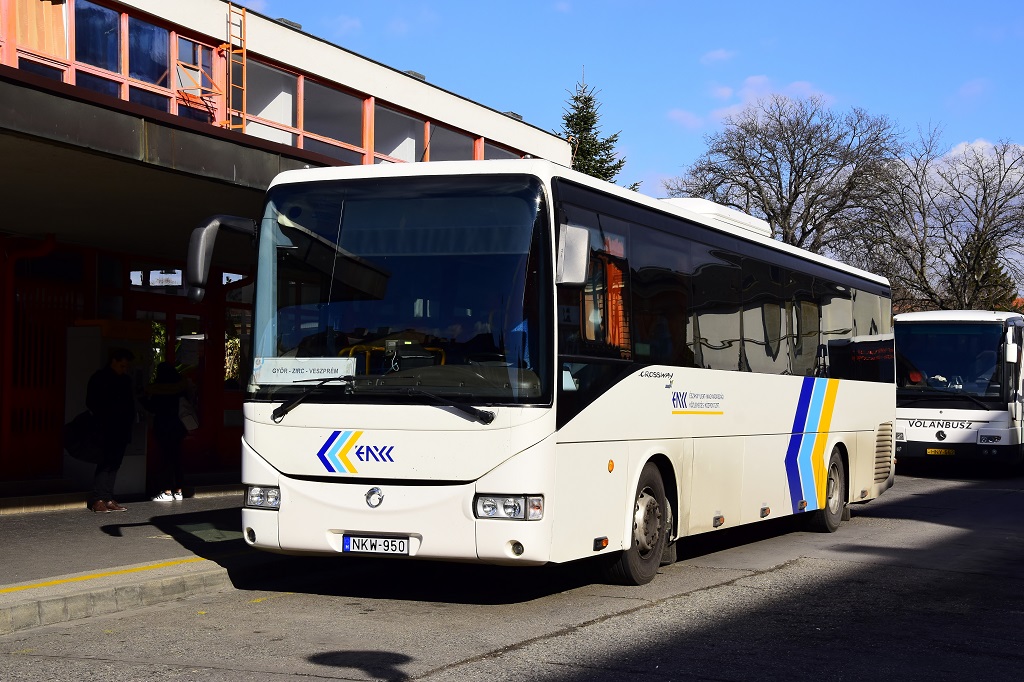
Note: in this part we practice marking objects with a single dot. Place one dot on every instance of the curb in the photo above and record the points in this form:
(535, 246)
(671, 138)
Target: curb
(206, 576)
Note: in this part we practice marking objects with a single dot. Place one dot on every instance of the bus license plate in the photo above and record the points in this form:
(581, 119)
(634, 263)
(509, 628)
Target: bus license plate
(368, 545)
(940, 451)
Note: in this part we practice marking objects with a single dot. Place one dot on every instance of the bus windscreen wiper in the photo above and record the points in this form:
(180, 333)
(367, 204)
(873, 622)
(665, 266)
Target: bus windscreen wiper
(932, 391)
(483, 416)
(278, 414)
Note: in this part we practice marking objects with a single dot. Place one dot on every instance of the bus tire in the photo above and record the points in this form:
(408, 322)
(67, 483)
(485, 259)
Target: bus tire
(828, 518)
(639, 564)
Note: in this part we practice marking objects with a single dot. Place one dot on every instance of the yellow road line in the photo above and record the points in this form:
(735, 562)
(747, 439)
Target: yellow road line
(94, 576)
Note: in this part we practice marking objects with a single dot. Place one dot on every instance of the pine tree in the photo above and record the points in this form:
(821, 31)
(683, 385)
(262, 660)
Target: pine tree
(591, 154)
(979, 281)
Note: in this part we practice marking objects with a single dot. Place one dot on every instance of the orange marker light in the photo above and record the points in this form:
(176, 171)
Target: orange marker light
(611, 465)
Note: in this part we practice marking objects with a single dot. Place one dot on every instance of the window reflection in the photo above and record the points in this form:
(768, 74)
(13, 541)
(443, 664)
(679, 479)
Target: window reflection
(97, 36)
(332, 114)
(195, 67)
(448, 145)
(397, 135)
(149, 99)
(97, 84)
(696, 298)
(148, 56)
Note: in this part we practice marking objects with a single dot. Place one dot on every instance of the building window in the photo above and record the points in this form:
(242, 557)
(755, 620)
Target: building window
(343, 154)
(96, 84)
(51, 72)
(41, 26)
(492, 151)
(97, 36)
(448, 145)
(148, 56)
(158, 281)
(397, 135)
(149, 99)
(333, 114)
(270, 95)
(194, 68)
(195, 113)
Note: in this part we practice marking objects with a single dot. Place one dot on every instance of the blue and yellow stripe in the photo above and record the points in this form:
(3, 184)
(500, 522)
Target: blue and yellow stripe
(805, 457)
(334, 453)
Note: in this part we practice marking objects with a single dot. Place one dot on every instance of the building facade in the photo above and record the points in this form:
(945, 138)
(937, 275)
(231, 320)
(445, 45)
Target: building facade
(124, 124)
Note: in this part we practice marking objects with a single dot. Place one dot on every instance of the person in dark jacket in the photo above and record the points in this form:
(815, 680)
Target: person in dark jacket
(111, 398)
(163, 398)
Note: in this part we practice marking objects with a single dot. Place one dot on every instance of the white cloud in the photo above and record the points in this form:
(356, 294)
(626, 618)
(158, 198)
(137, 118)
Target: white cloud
(759, 87)
(346, 26)
(719, 55)
(973, 89)
(422, 22)
(969, 96)
(752, 89)
(719, 115)
(721, 91)
(685, 119)
(804, 90)
(398, 27)
(980, 145)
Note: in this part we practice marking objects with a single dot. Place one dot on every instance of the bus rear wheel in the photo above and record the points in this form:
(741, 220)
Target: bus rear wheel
(828, 518)
(638, 564)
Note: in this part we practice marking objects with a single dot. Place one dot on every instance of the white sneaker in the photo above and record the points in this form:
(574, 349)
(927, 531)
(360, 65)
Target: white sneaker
(179, 496)
(164, 497)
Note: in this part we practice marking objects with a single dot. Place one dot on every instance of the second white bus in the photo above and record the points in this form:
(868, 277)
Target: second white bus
(958, 389)
(510, 362)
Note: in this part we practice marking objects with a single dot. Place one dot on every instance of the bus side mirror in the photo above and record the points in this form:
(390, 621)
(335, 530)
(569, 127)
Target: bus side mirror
(200, 249)
(573, 255)
(1012, 352)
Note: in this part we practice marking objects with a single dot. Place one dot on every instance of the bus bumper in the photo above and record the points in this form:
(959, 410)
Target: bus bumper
(974, 451)
(437, 521)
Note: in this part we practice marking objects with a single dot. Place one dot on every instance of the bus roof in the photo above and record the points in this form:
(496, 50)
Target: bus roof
(548, 170)
(958, 316)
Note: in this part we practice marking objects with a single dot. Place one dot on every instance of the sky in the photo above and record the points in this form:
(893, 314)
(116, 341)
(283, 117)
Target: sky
(668, 73)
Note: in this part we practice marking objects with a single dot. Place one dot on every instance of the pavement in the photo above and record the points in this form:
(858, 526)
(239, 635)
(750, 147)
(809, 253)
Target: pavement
(63, 562)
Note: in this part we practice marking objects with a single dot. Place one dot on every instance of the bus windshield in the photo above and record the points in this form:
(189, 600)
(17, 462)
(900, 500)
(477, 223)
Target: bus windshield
(937, 358)
(398, 287)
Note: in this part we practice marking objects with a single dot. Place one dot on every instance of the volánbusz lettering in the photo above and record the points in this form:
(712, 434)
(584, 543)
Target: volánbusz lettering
(939, 424)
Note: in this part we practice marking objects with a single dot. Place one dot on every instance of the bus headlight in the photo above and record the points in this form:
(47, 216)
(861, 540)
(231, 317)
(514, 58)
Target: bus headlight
(989, 439)
(262, 497)
(518, 507)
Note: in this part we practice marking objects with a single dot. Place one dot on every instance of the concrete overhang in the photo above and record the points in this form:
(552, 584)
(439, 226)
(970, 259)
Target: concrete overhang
(103, 173)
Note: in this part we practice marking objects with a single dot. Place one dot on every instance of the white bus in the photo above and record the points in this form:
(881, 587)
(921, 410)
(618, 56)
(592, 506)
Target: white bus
(510, 362)
(959, 385)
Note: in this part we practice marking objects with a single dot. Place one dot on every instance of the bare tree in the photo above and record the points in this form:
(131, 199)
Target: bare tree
(802, 167)
(949, 229)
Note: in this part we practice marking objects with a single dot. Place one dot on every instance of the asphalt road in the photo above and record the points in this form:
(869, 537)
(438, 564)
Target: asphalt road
(925, 583)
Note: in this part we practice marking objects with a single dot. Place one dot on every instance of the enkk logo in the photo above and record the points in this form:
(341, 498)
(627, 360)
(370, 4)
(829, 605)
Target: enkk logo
(378, 453)
(334, 454)
(678, 400)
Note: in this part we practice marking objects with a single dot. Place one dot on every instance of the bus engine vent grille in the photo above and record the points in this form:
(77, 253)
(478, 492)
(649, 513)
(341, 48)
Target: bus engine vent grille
(883, 452)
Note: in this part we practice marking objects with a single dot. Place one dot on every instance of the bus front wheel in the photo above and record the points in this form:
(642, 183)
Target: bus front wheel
(638, 564)
(828, 518)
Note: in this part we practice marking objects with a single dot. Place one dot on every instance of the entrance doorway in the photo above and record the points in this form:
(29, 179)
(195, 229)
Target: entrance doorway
(206, 343)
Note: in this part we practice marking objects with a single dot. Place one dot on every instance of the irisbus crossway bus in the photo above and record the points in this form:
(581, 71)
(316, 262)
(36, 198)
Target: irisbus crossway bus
(510, 362)
(959, 385)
